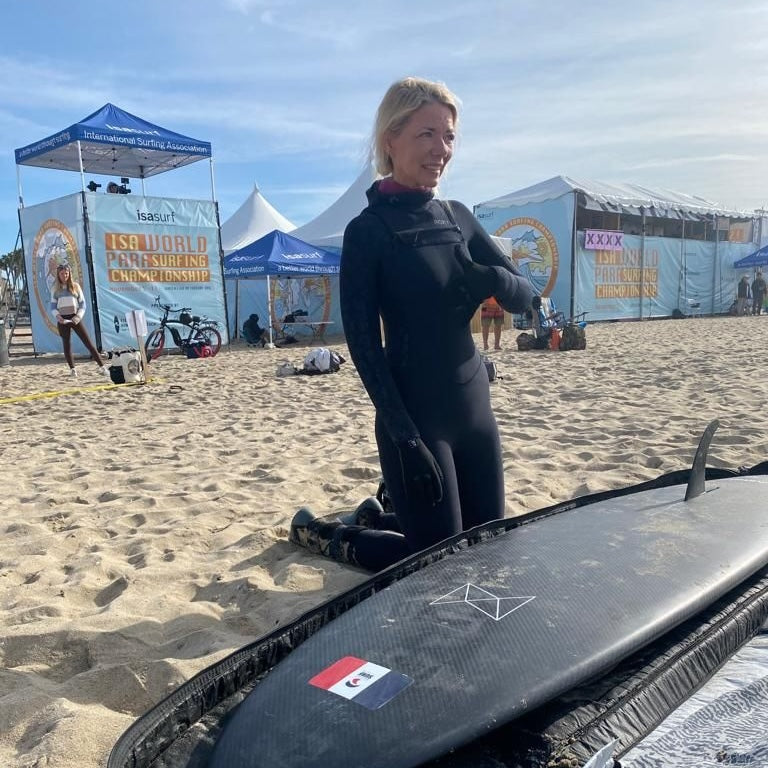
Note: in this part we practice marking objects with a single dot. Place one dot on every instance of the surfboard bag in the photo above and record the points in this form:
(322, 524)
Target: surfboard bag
(624, 704)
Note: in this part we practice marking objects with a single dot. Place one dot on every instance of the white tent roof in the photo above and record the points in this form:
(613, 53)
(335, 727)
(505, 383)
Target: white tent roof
(252, 220)
(327, 229)
(622, 198)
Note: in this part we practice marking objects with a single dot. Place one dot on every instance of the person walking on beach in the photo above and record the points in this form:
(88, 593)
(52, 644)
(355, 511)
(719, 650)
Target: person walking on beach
(742, 295)
(420, 267)
(758, 293)
(491, 313)
(68, 308)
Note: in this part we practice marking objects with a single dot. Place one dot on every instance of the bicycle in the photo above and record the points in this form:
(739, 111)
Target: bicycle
(202, 339)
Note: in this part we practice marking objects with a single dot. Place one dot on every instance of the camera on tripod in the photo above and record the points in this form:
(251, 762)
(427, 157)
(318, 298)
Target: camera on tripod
(114, 188)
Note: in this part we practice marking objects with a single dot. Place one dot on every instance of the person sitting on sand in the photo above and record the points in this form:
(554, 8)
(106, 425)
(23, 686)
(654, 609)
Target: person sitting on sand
(254, 334)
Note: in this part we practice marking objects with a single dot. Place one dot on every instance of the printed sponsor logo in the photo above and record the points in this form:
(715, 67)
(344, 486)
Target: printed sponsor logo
(363, 682)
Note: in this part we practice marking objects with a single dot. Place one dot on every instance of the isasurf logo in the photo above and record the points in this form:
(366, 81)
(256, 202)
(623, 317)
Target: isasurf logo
(161, 218)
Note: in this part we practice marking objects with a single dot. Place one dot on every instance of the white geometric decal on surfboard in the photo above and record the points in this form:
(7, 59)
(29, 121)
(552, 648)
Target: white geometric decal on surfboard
(484, 601)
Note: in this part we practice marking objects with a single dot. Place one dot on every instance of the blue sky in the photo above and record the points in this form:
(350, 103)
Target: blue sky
(666, 94)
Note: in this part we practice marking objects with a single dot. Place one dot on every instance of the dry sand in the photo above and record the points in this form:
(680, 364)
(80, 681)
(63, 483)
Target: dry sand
(144, 529)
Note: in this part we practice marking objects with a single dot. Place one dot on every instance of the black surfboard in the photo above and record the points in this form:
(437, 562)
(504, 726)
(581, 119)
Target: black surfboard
(485, 635)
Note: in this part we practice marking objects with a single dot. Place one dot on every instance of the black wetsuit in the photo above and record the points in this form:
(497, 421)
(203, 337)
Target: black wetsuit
(405, 259)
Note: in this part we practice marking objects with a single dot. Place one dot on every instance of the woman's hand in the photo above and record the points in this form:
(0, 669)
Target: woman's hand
(422, 475)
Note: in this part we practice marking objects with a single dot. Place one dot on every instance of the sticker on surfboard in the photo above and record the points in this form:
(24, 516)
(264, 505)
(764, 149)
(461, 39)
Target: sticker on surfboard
(363, 682)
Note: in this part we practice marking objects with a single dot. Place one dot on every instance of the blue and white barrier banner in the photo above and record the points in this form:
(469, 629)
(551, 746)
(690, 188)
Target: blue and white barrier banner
(53, 233)
(149, 247)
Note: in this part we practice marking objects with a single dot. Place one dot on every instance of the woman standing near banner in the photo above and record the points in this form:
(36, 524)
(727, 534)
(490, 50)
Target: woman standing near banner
(68, 307)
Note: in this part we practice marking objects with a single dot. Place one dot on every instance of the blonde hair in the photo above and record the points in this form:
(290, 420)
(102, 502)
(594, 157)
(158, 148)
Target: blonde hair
(401, 100)
(70, 284)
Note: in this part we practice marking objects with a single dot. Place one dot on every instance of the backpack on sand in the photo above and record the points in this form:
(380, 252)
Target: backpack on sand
(573, 337)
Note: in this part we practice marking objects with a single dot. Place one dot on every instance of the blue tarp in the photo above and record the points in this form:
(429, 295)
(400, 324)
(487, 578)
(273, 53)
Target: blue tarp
(757, 259)
(280, 254)
(115, 143)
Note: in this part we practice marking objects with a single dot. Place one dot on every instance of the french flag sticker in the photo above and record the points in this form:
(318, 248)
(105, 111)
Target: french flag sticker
(361, 681)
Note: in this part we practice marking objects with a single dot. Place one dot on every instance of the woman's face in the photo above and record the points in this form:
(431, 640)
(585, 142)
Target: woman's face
(63, 274)
(422, 149)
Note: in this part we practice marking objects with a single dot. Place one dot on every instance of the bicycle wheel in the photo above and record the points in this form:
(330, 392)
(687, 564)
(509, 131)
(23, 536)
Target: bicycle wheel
(155, 343)
(207, 337)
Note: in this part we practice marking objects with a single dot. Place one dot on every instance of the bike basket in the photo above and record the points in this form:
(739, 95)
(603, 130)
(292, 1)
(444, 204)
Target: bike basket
(185, 318)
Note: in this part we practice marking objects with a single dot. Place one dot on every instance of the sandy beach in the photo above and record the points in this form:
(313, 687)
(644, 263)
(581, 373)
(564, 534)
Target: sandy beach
(144, 528)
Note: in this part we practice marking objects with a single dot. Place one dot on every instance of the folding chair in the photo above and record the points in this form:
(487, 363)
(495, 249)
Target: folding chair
(693, 305)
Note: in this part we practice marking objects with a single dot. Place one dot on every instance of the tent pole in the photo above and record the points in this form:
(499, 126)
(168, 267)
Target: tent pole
(18, 184)
(642, 262)
(574, 246)
(269, 313)
(716, 268)
(213, 185)
(80, 159)
(237, 307)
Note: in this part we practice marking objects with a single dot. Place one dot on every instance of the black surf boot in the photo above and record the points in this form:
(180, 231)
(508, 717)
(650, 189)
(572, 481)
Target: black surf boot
(330, 539)
(367, 514)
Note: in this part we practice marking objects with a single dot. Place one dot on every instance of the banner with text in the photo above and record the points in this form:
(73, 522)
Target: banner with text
(53, 233)
(147, 249)
(670, 274)
(540, 242)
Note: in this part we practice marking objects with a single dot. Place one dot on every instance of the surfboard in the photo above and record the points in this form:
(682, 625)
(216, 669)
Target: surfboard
(476, 639)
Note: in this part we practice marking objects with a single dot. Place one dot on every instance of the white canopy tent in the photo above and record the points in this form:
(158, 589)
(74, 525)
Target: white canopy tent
(327, 229)
(251, 221)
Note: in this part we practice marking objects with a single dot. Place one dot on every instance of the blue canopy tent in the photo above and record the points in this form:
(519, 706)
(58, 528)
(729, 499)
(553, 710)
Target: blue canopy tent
(279, 254)
(113, 142)
(757, 259)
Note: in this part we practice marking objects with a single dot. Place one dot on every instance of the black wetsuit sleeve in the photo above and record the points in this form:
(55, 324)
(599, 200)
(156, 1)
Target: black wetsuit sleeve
(365, 242)
(514, 292)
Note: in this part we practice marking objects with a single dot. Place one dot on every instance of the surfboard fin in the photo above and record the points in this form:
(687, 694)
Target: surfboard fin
(698, 469)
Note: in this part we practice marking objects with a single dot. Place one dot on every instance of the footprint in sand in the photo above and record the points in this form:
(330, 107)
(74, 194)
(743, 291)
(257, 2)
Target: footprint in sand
(111, 592)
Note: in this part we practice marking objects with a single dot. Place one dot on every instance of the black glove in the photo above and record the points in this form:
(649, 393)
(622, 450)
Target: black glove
(482, 282)
(422, 475)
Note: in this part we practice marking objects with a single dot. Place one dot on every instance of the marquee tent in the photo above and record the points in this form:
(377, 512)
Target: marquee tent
(620, 251)
(114, 142)
(252, 220)
(327, 229)
(278, 254)
(757, 259)
(630, 199)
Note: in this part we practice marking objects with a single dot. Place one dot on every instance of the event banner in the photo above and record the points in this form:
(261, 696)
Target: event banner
(668, 273)
(150, 250)
(540, 242)
(52, 234)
